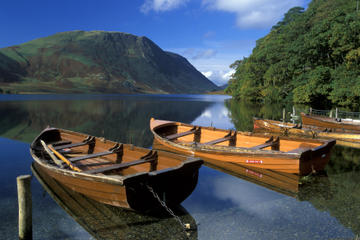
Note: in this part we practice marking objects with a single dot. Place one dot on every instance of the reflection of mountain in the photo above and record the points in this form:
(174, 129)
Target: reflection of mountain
(107, 222)
(123, 119)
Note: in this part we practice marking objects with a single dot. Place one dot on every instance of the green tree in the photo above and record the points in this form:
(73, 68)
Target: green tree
(309, 57)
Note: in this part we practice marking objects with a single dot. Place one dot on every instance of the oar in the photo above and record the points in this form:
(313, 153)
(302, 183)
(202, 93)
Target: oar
(72, 166)
(53, 157)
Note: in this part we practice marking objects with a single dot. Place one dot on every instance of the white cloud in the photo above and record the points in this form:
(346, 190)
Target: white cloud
(227, 75)
(207, 74)
(219, 77)
(254, 13)
(216, 68)
(161, 5)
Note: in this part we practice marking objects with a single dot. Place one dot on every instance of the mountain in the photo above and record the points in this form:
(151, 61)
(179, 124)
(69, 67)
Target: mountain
(97, 61)
(310, 57)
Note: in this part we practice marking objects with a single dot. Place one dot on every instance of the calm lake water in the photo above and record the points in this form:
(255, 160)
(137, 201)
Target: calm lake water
(224, 205)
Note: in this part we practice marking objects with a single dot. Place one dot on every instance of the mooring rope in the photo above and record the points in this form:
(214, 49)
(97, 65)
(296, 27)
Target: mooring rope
(185, 226)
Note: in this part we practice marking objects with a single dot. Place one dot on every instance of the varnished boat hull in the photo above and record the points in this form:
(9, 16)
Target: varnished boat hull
(342, 138)
(301, 164)
(173, 184)
(330, 123)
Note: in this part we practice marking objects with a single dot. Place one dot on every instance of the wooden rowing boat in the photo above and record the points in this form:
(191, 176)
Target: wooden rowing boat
(116, 174)
(103, 221)
(336, 124)
(342, 138)
(300, 156)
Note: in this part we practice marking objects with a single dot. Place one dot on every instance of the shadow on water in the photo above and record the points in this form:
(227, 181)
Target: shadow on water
(107, 222)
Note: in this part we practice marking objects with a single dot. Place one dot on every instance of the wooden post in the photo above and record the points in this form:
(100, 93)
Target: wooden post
(25, 211)
(330, 114)
(284, 114)
(336, 113)
(310, 111)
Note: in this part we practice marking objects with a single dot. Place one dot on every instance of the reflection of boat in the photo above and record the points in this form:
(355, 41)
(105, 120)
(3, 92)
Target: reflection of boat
(117, 174)
(331, 123)
(300, 156)
(285, 128)
(107, 222)
(287, 183)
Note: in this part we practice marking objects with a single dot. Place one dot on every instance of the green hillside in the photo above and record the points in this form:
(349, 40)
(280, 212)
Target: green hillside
(310, 57)
(97, 61)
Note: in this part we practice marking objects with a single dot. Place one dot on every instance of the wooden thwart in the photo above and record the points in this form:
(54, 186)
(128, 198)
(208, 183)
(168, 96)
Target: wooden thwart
(150, 157)
(271, 142)
(182, 134)
(118, 149)
(229, 137)
(90, 140)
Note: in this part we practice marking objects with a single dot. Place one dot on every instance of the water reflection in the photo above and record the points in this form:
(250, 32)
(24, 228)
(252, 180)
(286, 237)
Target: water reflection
(119, 118)
(237, 209)
(227, 204)
(108, 222)
(336, 193)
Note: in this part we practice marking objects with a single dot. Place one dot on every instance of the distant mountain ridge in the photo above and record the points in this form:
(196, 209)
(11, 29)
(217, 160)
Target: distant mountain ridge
(97, 61)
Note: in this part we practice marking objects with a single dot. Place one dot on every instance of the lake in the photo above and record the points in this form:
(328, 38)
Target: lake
(224, 205)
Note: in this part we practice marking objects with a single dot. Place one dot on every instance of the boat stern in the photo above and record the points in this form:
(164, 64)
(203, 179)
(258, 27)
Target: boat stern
(315, 160)
(171, 185)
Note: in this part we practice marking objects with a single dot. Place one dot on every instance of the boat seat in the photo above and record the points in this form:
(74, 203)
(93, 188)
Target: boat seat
(271, 142)
(152, 158)
(88, 141)
(118, 149)
(228, 137)
(182, 134)
(60, 143)
(95, 164)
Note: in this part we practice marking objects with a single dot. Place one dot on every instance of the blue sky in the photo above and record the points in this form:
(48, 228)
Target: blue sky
(211, 34)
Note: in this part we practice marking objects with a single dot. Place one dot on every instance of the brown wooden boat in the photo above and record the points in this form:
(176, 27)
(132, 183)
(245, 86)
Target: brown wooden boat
(103, 221)
(336, 124)
(300, 156)
(116, 174)
(284, 128)
(286, 183)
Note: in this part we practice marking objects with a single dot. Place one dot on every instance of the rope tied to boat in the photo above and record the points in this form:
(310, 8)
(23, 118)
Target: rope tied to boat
(185, 226)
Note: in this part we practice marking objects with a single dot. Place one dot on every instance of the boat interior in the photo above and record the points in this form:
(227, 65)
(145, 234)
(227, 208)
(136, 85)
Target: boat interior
(92, 155)
(188, 134)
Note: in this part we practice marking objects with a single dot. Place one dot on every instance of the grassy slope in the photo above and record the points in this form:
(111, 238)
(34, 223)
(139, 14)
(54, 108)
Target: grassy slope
(98, 61)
